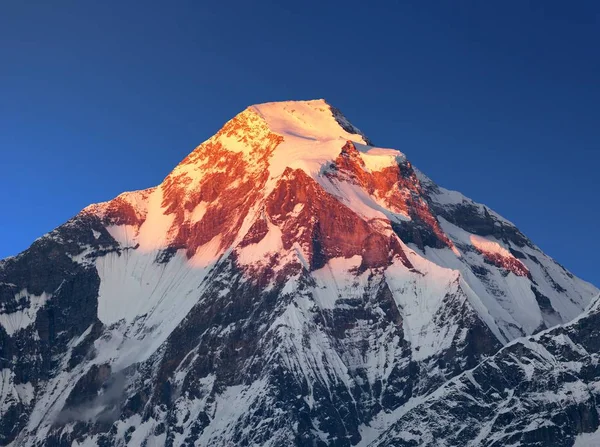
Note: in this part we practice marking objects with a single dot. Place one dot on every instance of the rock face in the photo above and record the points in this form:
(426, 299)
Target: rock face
(288, 283)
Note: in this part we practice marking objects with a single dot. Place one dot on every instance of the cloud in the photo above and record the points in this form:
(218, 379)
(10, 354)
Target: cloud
(105, 407)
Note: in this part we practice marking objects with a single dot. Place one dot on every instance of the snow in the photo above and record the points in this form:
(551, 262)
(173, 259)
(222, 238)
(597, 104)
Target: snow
(588, 439)
(306, 350)
(448, 197)
(198, 212)
(208, 254)
(359, 201)
(87, 442)
(229, 406)
(313, 138)
(508, 298)
(25, 391)
(489, 246)
(546, 272)
(21, 319)
(304, 120)
(150, 298)
(337, 280)
(142, 435)
(377, 159)
(383, 420)
(419, 298)
(262, 250)
(154, 232)
(49, 404)
(297, 210)
(125, 235)
(8, 391)
(82, 337)
(137, 199)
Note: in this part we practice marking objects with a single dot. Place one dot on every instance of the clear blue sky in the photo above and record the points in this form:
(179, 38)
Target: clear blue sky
(500, 100)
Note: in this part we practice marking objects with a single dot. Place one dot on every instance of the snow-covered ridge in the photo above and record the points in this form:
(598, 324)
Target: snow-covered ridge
(313, 133)
(310, 120)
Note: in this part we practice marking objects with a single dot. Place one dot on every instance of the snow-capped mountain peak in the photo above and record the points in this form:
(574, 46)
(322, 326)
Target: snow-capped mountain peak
(287, 275)
(312, 120)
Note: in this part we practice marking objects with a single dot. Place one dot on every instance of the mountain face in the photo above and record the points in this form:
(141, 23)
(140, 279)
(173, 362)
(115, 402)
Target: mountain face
(289, 283)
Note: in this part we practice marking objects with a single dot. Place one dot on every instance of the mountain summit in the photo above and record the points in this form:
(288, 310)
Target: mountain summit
(288, 283)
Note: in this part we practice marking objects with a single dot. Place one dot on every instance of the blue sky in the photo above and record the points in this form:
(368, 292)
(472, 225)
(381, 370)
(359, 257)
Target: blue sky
(499, 100)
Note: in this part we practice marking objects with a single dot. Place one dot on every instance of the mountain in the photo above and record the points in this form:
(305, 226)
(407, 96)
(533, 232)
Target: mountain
(290, 283)
(539, 390)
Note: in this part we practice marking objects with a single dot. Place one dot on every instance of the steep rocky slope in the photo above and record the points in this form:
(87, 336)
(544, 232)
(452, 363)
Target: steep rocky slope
(540, 390)
(288, 283)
